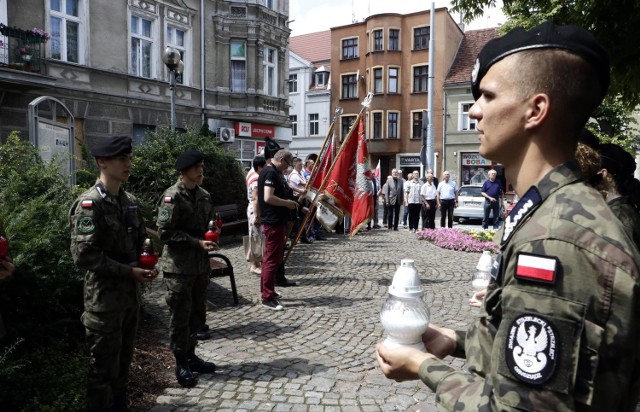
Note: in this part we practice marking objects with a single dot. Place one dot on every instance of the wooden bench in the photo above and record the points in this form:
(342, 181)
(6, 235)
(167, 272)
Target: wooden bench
(220, 267)
(233, 217)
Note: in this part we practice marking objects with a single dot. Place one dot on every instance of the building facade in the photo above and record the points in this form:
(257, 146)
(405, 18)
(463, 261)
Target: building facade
(309, 91)
(461, 155)
(388, 55)
(103, 62)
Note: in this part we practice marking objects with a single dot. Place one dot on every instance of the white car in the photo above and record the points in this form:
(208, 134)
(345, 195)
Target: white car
(470, 203)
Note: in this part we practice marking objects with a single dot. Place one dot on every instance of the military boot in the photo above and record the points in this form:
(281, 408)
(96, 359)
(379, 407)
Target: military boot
(184, 375)
(198, 365)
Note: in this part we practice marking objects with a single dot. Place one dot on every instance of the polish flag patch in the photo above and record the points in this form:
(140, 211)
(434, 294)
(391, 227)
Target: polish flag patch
(537, 268)
(87, 204)
(168, 199)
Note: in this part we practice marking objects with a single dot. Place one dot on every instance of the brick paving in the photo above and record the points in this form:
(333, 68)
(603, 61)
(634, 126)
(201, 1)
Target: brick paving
(318, 354)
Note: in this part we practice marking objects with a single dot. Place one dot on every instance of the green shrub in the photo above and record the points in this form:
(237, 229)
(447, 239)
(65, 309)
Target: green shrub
(153, 170)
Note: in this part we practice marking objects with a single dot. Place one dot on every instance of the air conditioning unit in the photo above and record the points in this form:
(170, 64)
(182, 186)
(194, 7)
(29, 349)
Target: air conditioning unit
(226, 134)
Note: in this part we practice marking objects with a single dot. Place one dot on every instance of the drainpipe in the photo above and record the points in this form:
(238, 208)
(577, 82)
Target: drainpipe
(202, 66)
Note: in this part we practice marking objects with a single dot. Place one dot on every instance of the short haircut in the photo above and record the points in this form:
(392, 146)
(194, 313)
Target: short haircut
(284, 154)
(258, 161)
(571, 83)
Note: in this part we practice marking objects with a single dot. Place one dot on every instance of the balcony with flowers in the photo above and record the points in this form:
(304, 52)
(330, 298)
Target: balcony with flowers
(22, 49)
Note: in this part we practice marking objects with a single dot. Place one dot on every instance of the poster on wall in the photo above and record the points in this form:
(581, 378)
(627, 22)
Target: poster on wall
(474, 168)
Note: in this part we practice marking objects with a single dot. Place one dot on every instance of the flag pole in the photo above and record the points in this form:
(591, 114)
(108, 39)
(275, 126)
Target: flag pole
(365, 103)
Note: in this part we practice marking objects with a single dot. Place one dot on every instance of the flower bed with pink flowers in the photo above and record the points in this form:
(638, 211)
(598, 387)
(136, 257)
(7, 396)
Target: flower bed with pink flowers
(455, 239)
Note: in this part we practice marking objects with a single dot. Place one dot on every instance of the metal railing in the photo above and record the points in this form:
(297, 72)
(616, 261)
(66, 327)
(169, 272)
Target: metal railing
(21, 49)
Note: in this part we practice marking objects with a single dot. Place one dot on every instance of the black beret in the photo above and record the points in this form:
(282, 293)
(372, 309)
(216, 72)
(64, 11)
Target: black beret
(544, 36)
(110, 146)
(270, 148)
(188, 159)
(616, 160)
(586, 137)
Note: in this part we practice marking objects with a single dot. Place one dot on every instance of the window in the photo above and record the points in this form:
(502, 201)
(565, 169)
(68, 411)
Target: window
(238, 51)
(139, 135)
(346, 122)
(378, 40)
(392, 125)
(65, 27)
(141, 46)
(270, 4)
(421, 38)
(350, 48)
(394, 39)
(349, 86)
(294, 125)
(465, 122)
(420, 78)
(393, 80)
(377, 80)
(416, 124)
(176, 39)
(321, 79)
(270, 71)
(314, 124)
(377, 125)
(293, 83)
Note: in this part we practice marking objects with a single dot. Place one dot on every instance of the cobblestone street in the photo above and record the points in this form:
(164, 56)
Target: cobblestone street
(318, 354)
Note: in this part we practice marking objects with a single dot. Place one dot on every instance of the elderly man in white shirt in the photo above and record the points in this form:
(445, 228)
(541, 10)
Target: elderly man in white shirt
(429, 193)
(447, 198)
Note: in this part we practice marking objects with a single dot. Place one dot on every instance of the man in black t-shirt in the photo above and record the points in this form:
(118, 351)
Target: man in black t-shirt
(274, 215)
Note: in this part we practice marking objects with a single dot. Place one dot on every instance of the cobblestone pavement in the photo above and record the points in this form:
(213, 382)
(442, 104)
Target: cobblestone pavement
(318, 354)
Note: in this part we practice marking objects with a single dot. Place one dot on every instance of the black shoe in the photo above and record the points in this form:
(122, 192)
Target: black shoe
(285, 283)
(203, 335)
(184, 375)
(376, 226)
(198, 365)
(320, 238)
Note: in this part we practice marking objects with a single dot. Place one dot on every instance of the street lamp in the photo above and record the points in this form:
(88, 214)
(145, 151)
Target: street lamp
(172, 59)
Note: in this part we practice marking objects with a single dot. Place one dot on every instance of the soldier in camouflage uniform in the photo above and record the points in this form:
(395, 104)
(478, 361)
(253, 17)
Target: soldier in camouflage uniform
(558, 328)
(107, 233)
(184, 212)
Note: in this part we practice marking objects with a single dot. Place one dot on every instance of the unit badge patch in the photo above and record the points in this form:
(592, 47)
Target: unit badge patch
(86, 225)
(163, 215)
(532, 348)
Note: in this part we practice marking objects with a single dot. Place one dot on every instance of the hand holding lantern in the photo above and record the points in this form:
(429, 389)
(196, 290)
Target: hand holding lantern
(212, 234)
(149, 257)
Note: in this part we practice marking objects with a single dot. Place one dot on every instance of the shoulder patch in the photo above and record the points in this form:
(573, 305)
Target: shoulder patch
(536, 268)
(163, 215)
(168, 199)
(86, 204)
(86, 225)
(532, 348)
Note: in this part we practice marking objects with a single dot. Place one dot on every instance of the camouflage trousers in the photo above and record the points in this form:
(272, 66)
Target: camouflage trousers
(110, 337)
(186, 298)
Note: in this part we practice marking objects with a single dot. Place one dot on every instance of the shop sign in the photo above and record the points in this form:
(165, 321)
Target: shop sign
(254, 130)
(474, 159)
(409, 161)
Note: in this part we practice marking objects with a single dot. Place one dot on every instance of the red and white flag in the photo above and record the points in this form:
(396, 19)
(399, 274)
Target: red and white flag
(342, 179)
(325, 159)
(536, 268)
(362, 209)
(376, 173)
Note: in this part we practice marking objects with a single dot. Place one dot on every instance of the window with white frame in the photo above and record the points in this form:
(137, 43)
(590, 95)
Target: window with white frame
(416, 125)
(393, 80)
(464, 121)
(294, 124)
(293, 83)
(420, 79)
(394, 39)
(66, 29)
(350, 48)
(270, 65)
(321, 78)
(378, 40)
(349, 86)
(314, 124)
(141, 46)
(176, 38)
(392, 125)
(377, 80)
(238, 55)
(377, 125)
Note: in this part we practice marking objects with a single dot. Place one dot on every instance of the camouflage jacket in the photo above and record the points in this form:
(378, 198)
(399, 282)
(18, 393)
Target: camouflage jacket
(623, 209)
(182, 221)
(107, 233)
(559, 327)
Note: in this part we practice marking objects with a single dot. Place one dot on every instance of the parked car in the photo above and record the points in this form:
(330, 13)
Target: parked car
(470, 203)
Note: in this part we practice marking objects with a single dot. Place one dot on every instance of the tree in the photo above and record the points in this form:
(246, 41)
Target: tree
(616, 25)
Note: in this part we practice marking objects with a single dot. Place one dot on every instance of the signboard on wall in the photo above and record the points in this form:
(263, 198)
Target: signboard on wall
(254, 130)
(474, 159)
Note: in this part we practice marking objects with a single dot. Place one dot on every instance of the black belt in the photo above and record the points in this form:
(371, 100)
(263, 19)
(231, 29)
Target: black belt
(125, 258)
(447, 200)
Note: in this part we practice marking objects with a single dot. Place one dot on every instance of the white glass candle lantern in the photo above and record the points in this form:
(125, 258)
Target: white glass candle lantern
(405, 315)
(482, 275)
